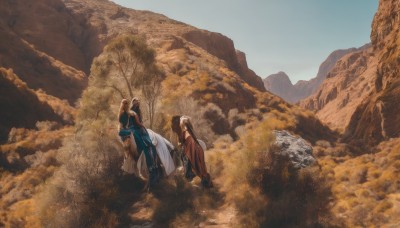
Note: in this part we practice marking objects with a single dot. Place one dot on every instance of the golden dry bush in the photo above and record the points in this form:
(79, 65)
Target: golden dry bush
(234, 162)
(367, 187)
(84, 188)
(262, 184)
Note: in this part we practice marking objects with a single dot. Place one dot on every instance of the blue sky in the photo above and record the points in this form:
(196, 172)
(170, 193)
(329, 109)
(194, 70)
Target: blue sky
(277, 35)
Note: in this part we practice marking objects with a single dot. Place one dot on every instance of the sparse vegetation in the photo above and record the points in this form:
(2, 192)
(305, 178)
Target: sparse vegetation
(80, 184)
(128, 65)
(264, 187)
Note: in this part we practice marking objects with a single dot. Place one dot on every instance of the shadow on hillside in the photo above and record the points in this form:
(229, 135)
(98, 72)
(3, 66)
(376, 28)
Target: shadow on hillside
(173, 201)
(131, 189)
(296, 198)
(313, 130)
(184, 203)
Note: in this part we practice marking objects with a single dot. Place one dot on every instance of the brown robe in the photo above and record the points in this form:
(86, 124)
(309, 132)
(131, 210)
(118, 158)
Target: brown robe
(195, 155)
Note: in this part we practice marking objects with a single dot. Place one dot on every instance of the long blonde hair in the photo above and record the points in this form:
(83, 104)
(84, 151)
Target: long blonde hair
(123, 107)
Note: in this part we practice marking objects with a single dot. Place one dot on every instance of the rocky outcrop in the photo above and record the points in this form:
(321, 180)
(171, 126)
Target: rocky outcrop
(249, 75)
(223, 48)
(296, 149)
(279, 83)
(216, 44)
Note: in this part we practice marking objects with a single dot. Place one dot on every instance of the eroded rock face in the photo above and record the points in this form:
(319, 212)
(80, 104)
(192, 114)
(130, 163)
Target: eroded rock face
(297, 149)
(378, 117)
(216, 44)
(347, 85)
(223, 48)
(306, 88)
(361, 94)
(249, 75)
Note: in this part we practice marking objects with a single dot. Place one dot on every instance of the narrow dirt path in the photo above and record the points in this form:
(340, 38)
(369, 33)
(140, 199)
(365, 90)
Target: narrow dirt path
(178, 203)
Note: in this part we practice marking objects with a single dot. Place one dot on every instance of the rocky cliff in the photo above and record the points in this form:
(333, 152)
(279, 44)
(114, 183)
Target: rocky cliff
(378, 116)
(347, 85)
(359, 97)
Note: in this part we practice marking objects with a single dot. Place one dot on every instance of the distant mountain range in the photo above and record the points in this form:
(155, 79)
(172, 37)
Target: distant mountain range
(281, 85)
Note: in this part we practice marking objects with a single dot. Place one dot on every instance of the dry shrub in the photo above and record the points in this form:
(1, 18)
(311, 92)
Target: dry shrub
(237, 160)
(178, 203)
(366, 187)
(172, 201)
(23, 142)
(189, 107)
(295, 198)
(264, 187)
(17, 208)
(84, 189)
(47, 125)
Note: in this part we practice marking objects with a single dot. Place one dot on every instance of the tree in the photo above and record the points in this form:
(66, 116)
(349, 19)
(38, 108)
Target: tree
(85, 187)
(151, 91)
(129, 64)
(130, 61)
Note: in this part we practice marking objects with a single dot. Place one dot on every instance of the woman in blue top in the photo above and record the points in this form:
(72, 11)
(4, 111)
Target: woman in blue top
(142, 139)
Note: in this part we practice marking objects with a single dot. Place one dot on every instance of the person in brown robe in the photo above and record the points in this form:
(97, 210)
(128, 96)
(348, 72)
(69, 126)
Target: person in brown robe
(193, 154)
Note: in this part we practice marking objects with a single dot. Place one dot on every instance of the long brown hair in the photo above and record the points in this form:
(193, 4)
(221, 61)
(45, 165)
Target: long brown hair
(186, 123)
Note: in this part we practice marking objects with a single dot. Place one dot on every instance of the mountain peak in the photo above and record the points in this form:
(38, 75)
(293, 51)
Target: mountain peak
(279, 84)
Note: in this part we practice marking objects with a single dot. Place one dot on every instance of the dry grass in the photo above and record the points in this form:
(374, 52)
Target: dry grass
(261, 184)
(366, 188)
(17, 207)
(29, 160)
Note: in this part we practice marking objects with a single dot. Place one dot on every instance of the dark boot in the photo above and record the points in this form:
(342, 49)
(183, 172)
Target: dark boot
(153, 177)
(189, 175)
(206, 181)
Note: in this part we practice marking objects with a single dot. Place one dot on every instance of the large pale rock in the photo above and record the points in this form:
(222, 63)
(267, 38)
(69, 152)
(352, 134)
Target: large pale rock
(296, 148)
